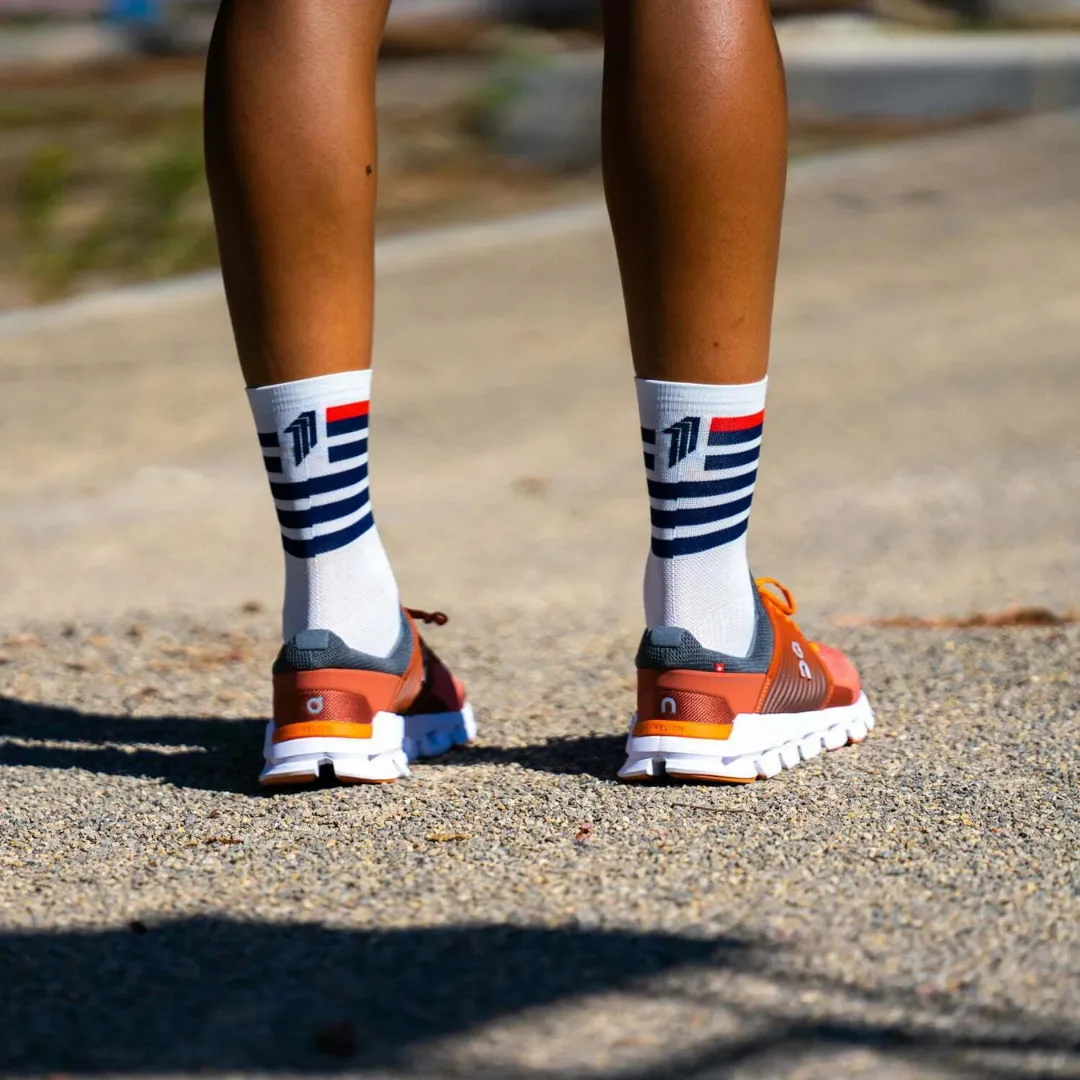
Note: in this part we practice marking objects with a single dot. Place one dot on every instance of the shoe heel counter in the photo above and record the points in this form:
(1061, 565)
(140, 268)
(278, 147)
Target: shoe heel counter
(693, 704)
(329, 703)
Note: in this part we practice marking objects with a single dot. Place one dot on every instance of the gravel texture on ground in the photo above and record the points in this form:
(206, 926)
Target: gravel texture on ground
(905, 908)
(908, 907)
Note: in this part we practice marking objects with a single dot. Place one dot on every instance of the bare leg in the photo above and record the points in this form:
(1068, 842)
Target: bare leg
(290, 147)
(290, 150)
(695, 156)
(694, 164)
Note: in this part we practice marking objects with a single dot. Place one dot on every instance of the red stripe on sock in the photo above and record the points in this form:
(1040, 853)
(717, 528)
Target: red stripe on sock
(737, 423)
(347, 412)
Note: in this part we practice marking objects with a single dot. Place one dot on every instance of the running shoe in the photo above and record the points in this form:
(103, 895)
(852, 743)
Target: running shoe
(362, 718)
(703, 715)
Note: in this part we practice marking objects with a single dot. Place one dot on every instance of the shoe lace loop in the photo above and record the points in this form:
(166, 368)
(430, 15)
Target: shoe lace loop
(439, 618)
(787, 605)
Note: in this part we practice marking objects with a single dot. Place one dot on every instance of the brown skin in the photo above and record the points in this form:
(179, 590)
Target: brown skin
(695, 155)
(290, 153)
(695, 159)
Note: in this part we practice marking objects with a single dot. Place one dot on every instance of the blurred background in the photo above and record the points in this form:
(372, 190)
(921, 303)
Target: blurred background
(487, 107)
(933, 156)
(908, 908)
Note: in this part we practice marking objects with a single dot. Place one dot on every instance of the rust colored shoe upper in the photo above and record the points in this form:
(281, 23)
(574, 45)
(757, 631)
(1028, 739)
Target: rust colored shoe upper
(324, 688)
(687, 690)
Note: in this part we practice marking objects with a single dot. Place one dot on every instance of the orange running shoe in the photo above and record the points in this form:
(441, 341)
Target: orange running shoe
(362, 717)
(706, 716)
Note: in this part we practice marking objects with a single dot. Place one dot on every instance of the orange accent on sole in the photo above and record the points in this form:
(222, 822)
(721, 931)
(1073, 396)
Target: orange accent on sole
(298, 781)
(842, 746)
(697, 777)
(682, 729)
(701, 777)
(335, 729)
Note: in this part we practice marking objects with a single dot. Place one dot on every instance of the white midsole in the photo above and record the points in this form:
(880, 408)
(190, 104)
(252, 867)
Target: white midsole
(760, 745)
(387, 733)
(395, 740)
(755, 733)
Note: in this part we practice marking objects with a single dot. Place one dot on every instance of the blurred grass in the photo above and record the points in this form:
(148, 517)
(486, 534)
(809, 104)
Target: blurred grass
(515, 55)
(106, 168)
(107, 182)
(153, 223)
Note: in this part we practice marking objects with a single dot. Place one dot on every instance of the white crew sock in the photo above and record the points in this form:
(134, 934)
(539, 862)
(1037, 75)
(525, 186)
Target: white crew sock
(701, 452)
(314, 437)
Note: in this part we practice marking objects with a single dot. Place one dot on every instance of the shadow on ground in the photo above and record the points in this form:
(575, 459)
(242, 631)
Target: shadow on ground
(223, 755)
(193, 752)
(213, 994)
(573, 755)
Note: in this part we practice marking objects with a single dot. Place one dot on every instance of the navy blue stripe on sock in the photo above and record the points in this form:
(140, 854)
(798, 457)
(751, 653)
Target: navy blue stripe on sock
(268, 438)
(698, 489)
(650, 461)
(648, 435)
(273, 464)
(320, 545)
(316, 515)
(319, 485)
(346, 426)
(726, 438)
(692, 545)
(699, 515)
(344, 451)
(731, 461)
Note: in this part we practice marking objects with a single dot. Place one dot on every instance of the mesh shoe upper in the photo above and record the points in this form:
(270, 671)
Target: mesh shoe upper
(666, 647)
(310, 650)
(686, 689)
(324, 688)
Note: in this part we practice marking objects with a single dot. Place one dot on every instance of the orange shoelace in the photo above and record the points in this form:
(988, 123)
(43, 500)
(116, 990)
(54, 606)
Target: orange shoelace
(786, 605)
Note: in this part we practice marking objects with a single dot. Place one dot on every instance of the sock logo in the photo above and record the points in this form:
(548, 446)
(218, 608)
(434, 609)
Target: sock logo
(304, 435)
(684, 439)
